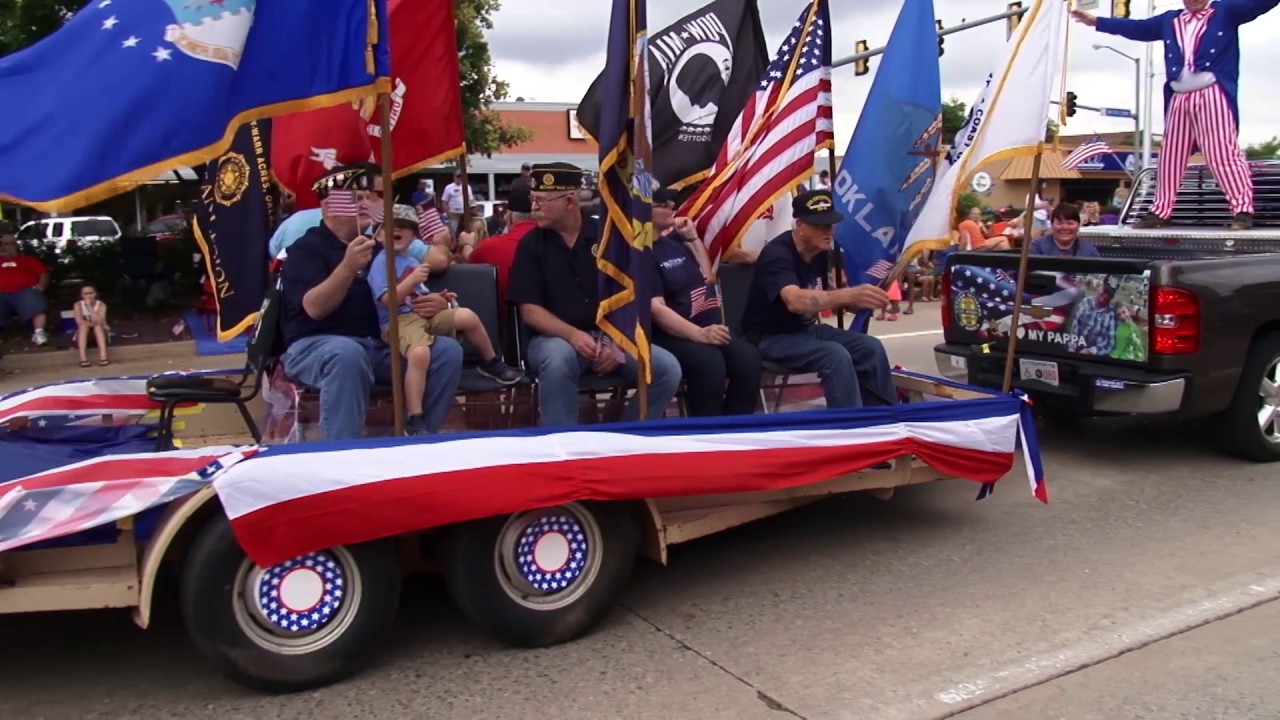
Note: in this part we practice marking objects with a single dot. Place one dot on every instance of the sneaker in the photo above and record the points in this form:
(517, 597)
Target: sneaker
(498, 370)
(1151, 221)
(415, 425)
(39, 337)
(1242, 221)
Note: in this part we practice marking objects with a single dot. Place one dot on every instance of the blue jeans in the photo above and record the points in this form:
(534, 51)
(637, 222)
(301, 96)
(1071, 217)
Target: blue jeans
(25, 304)
(559, 368)
(345, 369)
(854, 368)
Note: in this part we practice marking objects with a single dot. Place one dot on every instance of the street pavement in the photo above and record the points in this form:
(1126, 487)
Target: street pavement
(1145, 589)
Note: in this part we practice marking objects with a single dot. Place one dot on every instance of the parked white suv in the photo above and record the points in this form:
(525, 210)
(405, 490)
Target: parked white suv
(58, 232)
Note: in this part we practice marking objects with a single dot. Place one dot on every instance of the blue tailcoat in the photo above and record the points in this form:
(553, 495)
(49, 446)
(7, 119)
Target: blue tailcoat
(1219, 49)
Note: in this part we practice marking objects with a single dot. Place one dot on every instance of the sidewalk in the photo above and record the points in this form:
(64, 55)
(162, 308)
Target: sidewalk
(50, 367)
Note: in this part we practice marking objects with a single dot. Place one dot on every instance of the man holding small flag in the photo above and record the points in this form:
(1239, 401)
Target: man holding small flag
(888, 170)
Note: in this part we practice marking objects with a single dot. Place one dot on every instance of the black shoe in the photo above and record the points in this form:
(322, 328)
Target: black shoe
(415, 425)
(1242, 221)
(1151, 221)
(498, 370)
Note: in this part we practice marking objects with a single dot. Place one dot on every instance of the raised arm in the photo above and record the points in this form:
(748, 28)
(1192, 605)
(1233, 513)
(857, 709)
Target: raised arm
(1144, 30)
(1243, 11)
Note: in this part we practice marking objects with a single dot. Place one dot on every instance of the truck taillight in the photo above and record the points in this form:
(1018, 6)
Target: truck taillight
(1175, 322)
(944, 298)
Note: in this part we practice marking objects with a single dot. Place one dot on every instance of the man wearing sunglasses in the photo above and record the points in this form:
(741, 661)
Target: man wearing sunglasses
(553, 280)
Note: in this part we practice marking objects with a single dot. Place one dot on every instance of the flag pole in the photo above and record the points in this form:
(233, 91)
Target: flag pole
(464, 225)
(836, 253)
(1028, 224)
(389, 256)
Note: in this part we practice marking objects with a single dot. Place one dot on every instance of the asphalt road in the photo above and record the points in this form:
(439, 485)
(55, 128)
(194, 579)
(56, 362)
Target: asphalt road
(1144, 590)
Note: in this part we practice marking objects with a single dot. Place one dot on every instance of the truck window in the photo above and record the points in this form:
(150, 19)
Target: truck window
(56, 229)
(93, 228)
(34, 231)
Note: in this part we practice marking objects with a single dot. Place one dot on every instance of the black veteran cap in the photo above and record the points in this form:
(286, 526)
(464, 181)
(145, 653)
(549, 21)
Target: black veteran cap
(662, 196)
(556, 176)
(816, 208)
(519, 200)
(359, 176)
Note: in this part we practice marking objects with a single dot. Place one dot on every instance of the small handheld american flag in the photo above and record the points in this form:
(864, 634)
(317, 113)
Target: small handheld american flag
(342, 203)
(374, 209)
(702, 299)
(1092, 149)
(429, 223)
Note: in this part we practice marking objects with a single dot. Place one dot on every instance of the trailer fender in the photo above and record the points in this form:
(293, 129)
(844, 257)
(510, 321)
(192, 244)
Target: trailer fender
(153, 554)
(653, 543)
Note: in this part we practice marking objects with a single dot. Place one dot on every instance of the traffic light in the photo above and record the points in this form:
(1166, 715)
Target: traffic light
(861, 66)
(1011, 22)
(1071, 104)
(1120, 8)
(940, 38)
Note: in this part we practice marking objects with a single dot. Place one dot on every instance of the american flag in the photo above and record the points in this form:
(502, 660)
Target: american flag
(772, 143)
(880, 270)
(702, 299)
(342, 203)
(85, 495)
(994, 290)
(374, 209)
(429, 223)
(1095, 147)
(57, 403)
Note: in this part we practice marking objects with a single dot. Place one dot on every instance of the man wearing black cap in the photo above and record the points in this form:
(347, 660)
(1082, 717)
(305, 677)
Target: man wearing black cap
(331, 330)
(525, 180)
(789, 291)
(554, 281)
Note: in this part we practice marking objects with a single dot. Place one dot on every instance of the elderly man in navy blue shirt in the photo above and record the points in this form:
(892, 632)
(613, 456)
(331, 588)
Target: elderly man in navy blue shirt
(789, 291)
(331, 330)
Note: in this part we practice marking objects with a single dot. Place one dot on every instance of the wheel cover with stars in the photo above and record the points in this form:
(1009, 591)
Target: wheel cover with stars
(549, 559)
(552, 553)
(299, 605)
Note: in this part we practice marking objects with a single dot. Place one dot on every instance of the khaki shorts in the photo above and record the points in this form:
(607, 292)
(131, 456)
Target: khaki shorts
(416, 331)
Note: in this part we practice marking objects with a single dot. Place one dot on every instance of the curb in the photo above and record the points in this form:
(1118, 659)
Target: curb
(43, 360)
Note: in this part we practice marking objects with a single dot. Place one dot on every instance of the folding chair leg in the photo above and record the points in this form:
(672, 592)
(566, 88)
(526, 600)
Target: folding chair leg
(782, 389)
(249, 422)
(164, 433)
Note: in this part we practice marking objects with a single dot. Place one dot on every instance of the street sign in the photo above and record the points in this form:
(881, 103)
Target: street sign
(1117, 112)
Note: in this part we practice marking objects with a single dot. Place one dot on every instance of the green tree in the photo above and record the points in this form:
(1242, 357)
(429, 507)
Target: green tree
(485, 131)
(25, 22)
(1263, 150)
(954, 115)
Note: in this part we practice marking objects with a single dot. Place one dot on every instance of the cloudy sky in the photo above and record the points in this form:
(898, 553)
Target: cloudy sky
(551, 52)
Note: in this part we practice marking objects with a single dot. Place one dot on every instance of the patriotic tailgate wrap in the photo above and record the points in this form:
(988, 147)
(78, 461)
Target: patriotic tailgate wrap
(291, 500)
(97, 396)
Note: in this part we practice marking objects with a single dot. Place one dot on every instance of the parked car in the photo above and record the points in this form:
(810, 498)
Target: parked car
(61, 232)
(166, 229)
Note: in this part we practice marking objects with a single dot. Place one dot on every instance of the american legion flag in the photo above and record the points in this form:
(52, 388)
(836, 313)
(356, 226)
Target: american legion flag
(771, 146)
(75, 135)
(289, 500)
(626, 187)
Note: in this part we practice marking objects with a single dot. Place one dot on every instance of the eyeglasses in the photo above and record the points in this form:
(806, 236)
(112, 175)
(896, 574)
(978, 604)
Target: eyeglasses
(549, 198)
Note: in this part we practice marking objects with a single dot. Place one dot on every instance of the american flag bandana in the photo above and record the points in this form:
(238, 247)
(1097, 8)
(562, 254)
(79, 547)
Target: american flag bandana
(429, 223)
(342, 203)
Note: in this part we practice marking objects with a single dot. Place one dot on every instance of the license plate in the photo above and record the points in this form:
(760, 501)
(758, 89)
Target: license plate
(1040, 370)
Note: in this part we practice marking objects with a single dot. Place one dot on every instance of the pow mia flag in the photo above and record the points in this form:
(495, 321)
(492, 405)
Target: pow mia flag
(702, 69)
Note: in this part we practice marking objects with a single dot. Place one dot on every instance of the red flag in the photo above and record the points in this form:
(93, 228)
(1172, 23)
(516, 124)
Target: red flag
(426, 100)
(306, 144)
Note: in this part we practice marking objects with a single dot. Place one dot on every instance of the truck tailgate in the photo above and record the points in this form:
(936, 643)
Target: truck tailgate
(1072, 307)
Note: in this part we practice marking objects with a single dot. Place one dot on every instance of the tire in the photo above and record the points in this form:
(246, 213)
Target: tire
(220, 588)
(491, 571)
(1240, 430)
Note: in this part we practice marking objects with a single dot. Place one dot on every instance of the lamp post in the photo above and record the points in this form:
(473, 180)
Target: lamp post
(1138, 137)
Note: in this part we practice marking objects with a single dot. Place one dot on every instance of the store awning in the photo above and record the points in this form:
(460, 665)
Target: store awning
(1050, 168)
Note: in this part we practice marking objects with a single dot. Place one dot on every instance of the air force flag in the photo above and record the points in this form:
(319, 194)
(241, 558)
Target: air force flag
(888, 169)
(128, 89)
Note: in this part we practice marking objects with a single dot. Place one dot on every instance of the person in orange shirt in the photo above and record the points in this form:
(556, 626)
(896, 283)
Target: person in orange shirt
(500, 250)
(973, 237)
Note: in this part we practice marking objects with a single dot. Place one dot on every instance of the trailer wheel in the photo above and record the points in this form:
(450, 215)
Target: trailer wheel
(540, 578)
(1250, 426)
(304, 623)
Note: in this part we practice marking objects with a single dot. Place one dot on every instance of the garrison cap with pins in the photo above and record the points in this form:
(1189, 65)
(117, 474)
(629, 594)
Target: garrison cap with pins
(816, 208)
(358, 176)
(551, 177)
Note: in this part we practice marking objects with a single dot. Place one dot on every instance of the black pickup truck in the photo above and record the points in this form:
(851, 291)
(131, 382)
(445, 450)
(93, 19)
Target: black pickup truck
(1182, 320)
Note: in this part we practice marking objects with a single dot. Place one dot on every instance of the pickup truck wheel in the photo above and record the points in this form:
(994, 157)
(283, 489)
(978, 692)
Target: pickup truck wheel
(541, 578)
(1250, 426)
(302, 624)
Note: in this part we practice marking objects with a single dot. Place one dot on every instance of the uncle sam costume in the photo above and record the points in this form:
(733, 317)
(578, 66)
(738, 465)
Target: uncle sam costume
(1202, 71)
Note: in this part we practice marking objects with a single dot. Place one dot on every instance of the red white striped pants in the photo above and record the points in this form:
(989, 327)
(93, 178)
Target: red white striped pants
(1202, 118)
